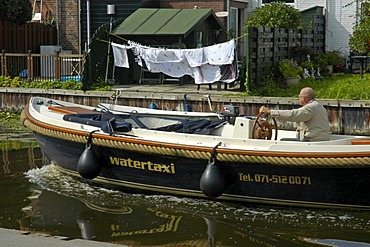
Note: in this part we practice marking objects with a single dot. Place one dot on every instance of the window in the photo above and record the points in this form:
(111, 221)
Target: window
(233, 22)
(199, 39)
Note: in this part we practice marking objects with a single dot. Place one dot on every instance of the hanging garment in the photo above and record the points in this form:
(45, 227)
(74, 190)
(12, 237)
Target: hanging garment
(160, 55)
(206, 74)
(206, 65)
(173, 69)
(120, 55)
(195, 57)
(220, 54)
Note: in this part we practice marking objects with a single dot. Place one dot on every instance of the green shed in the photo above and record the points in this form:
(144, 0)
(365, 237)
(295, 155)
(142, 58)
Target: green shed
(188, 28)
(312, 17)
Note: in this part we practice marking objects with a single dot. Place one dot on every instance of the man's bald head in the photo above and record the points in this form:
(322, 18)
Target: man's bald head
(308, 93)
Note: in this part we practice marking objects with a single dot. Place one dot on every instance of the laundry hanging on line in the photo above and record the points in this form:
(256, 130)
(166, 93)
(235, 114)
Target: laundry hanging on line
(120, 55)
(206, 65)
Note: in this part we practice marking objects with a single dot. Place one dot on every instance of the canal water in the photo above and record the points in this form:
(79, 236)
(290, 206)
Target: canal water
(36, 197)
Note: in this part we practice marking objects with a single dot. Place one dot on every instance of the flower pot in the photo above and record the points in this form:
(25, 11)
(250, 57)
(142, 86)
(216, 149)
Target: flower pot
(292, 80)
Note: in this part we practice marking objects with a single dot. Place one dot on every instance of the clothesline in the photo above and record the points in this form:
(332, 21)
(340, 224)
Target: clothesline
(206, 64)
(115, 35)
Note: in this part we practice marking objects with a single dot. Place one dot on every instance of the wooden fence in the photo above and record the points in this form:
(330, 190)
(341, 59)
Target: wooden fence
(22, 38)
(268, 46)
(42, 67)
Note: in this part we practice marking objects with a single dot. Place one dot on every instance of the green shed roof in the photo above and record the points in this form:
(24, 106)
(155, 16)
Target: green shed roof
(145, 21)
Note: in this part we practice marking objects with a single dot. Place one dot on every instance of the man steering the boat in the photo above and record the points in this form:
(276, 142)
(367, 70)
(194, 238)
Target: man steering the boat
(313, 118)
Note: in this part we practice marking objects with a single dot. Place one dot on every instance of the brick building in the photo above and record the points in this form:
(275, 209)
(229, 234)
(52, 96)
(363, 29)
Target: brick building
(65, 15)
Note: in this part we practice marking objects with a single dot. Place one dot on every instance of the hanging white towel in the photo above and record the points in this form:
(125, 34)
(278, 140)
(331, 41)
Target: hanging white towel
(220, 54)
(206, 74)
(173, 69)
(120, 55)
(195, 57)
(160, 55)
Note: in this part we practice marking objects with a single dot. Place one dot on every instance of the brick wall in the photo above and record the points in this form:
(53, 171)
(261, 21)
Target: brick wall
(69, 25)
(68, 21)
(48, 9)
(217, 6)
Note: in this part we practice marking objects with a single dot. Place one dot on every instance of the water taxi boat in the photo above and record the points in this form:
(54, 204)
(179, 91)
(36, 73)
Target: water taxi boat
(244, 160)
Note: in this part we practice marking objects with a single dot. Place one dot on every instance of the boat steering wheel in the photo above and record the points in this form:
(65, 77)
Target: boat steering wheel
(263, 126)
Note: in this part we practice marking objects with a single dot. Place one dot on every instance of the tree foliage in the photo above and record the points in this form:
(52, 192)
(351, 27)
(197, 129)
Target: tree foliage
(18, 11)
(359, 41)
(275, 15)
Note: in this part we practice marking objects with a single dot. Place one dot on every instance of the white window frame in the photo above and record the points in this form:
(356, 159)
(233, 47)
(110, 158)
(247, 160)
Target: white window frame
(234, 16)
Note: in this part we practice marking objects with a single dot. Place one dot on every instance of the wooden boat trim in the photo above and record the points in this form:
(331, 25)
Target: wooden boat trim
(361, 142)
(358, 159)
(71, 109)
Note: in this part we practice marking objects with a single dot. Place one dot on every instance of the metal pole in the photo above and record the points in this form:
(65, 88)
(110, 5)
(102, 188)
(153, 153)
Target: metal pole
(108, 52)
(111, 10)
(88, 22)
(228, 18)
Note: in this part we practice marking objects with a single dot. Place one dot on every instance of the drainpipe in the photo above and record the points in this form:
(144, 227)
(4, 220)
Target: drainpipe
(228, 18)
(357, 10)
(326, 24)
(79, 27)
(88, 22)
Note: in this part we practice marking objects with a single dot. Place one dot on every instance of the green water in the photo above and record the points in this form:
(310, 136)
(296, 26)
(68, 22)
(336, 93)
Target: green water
(39, 198)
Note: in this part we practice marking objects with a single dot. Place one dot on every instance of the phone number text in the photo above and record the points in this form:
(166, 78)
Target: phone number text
(275, 179)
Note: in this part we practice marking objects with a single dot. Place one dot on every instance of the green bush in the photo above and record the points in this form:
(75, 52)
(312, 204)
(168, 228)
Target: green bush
(359, 40)
(290, 68)
(16, 82)
(275, 15)
(329, 58)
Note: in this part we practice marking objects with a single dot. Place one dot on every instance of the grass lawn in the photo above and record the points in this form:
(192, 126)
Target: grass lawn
(336, 86)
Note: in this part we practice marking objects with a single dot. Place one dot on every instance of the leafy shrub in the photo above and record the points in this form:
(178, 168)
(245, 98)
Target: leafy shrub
(16, 82)
(290, 68)
(329, 58)
(275, 15)
(307, 65)
(359, 41)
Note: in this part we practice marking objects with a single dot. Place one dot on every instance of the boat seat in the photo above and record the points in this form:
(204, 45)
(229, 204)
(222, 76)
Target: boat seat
(110, 123)
(198, 126)
(107, 126)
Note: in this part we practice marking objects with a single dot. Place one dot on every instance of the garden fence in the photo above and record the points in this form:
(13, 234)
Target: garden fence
(16, 38)
(268, 46)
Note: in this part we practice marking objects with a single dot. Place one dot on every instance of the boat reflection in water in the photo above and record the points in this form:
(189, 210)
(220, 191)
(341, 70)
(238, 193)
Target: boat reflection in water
(64, 206)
